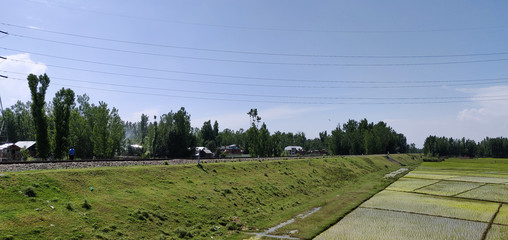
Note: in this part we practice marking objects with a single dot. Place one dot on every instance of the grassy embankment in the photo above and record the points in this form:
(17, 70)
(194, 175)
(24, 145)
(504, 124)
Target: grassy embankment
(219, 200)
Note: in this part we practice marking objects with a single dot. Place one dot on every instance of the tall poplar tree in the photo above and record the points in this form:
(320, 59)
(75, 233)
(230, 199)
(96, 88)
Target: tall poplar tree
(63, 102)
(38, 112)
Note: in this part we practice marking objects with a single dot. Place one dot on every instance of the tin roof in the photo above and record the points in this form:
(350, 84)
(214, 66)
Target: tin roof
(5, 146)
(25, 144)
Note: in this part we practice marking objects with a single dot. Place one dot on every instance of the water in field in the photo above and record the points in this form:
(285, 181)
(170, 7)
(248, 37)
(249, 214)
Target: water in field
(433, 202)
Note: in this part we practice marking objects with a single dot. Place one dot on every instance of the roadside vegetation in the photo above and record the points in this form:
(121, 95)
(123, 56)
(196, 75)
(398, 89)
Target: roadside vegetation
(219, 200)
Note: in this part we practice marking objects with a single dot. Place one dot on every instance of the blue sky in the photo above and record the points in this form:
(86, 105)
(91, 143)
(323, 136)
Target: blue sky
(425, 68)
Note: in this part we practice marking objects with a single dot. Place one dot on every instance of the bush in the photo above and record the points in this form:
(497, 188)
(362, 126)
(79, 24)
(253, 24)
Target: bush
(70, 207)
(183, 233)
(30, 192)
(233, 226)
(86, 205)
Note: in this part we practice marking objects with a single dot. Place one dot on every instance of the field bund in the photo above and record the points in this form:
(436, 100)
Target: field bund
(213, 201)
(454, 199)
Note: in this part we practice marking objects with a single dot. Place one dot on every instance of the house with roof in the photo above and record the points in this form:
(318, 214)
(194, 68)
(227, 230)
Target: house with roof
(12, 151)
(232, 149)
(203, 152)
(6, 151)
(294, 150)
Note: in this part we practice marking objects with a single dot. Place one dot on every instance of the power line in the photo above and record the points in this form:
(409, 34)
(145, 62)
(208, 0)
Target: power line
(495, 81)
(264, 95)
(283, 102)
(229, 51)
(280, 29)
(279, 63)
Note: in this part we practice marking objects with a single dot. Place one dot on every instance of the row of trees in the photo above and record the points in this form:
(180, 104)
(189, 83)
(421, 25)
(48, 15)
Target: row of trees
(367, 138)
(94, 130)
(488, 147)
(173, 136)
(98, 131)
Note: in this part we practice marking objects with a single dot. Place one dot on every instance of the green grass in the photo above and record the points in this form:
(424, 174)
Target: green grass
(502, 216)
(376, 224)
(448, 188)
(336, 205)
(410, 184)
(469, 165)
(489, 192)
(217, 200)
(433, 205)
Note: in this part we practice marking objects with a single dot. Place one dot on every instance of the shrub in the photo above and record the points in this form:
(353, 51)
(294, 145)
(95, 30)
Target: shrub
(233, 226)
(69, 207)
(86, 205)
(30, 192)
(183, 233)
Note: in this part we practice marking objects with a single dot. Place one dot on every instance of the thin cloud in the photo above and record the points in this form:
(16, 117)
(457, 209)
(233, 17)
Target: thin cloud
(488, 110)
(11, 89)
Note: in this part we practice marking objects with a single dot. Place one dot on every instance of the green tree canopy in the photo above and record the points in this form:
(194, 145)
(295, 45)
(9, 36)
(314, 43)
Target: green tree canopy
(63, 103)
(38, 87)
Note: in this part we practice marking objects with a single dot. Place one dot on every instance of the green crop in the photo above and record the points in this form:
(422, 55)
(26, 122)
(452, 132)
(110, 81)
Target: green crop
(502, 216)
(448, 188)
(489, 192)
(380, 224)
(410, 184)
(497, 232)
(433, 205)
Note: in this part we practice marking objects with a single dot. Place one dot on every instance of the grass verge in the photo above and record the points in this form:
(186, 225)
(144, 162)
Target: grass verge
(187, 201)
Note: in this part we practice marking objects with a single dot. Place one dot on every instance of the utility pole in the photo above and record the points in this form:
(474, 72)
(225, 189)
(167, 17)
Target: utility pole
(3, 121)
(2, 115)
(2, 128)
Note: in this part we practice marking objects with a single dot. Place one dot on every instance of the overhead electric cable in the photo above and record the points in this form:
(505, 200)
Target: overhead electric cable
(261, 85)
(483, 80)
(138, 17)
(234, 51)
(265, 101)
(263, 95)
(151, 69)
(279, 63)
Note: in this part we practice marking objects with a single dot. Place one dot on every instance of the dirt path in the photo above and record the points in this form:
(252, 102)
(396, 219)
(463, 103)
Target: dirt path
(268, 233)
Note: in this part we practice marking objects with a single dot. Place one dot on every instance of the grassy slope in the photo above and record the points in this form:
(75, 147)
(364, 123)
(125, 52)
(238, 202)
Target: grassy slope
(187, 201)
